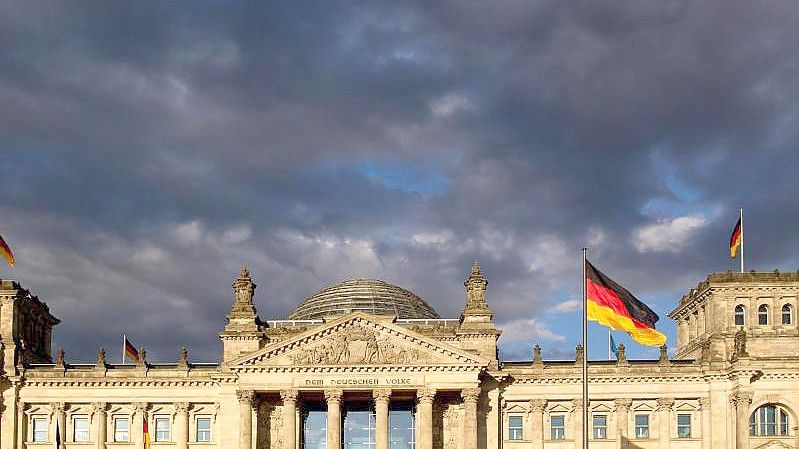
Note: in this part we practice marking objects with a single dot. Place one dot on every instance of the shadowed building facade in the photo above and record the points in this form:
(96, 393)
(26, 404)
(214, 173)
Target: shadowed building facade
(368, 365)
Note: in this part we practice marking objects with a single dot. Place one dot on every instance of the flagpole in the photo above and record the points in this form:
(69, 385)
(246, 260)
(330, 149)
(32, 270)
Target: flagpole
(585, 355)
(742, 239)
(609, 349)
(124, 339)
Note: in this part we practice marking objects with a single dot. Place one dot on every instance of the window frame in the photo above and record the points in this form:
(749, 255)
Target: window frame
(762, 315)
(599, 432)
(739, 312)
(197, 429)
(75, 430)
(645, 427)
(780, 424)
(787, 315)
(115, 421)
(160, 435)
(42, 432)
(557, 432)
(516, 433)
(688, 426)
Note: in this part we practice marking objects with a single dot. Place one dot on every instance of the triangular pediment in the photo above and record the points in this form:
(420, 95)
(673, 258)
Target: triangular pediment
(774, 444)
(358, 340)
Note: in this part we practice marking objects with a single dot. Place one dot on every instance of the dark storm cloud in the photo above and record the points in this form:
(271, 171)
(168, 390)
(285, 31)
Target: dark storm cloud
(152, 148)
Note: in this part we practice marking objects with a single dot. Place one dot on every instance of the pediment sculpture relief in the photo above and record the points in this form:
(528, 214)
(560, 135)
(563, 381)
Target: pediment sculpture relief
(359, 345)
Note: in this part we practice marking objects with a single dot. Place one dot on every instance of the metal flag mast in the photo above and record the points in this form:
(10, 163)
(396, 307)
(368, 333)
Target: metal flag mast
(124, 339)
(585, 354)
(742, 239)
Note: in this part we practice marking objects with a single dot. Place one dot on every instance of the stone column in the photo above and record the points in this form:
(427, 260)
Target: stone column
(246, 398)
(139, 415)
(289, 398)
(182, 425)
(60, 417)
(537, 407)
(664, 425)
(682, 331)
(741, 401)
(424, 418)
(98, 412)
(704, 404)
(702, 321)
(333, 398)
(382, 398)
(622, 422)
(470, 398)
(577, 423)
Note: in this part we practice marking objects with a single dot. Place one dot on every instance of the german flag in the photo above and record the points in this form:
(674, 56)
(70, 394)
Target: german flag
(5, 250)
(735, 239)
(130, 350)
(145, 434)
(614, 306)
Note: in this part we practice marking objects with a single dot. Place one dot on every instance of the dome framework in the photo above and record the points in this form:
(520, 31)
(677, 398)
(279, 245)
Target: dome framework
(363, 295)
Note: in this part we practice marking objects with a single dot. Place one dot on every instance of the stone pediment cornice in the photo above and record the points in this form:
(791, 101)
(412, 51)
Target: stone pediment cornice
(359, 343)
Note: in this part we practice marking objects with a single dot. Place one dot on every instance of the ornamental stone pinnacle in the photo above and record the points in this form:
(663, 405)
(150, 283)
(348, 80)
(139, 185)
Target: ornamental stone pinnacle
(243, 291)
(476, 285)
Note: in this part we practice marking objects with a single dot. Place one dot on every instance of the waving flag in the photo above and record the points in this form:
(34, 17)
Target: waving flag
(735, 239)
(145, 434)
(614, 306)
(129, 350)
(5, 250)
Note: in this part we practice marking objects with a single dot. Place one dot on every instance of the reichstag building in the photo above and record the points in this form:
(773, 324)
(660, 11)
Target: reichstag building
(368, 365)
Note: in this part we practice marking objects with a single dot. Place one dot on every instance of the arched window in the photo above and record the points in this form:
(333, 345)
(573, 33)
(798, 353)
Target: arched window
(739, 315)
(786, 314)
(762, 314)
(769, 420)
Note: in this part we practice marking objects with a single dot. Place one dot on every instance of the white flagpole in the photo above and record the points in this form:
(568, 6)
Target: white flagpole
(585, 355)
(742, 239)
(609, 349)
(124, 339)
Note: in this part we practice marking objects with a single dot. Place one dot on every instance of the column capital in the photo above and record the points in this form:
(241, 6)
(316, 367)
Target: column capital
(538, 405)
(98, 407)
(425, 395)
(140, 407)
(665, 403)
(182, 407)
(623, 404)
(245, 397)
(741, 398)
(333, 394)
(289, 395)
(704, 403)
(577, 404)
(470, 394)
(57, 407)
(382, 395)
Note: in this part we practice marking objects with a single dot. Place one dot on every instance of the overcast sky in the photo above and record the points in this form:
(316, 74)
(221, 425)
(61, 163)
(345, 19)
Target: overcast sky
(148, 150)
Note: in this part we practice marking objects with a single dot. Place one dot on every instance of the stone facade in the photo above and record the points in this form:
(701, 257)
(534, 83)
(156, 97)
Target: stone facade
(731, 384)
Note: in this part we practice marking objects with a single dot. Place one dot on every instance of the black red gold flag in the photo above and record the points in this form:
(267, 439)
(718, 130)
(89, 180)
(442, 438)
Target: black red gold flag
(735, 239)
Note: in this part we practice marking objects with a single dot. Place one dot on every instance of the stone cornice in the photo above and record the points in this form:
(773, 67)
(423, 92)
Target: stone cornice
(110, 383)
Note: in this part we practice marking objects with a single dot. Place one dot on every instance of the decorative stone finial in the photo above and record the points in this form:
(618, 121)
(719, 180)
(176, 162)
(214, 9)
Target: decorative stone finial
(537, 354)
(621, 357)
(476, 285)
(142, 358)
(101, 357)
(183, 361)
(243, 291)
(663, 359)
(579, 353)
(59, 358)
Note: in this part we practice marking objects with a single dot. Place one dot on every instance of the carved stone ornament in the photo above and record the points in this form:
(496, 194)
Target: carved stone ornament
(57, 407)
(245, 396)
(140, 407)
(663, 359)
(243, 291)
(289, 395)
(382, 395)
(577, 404)
(470, 394)
(739, 345)
(183, 360)
(741, 399)
(99, 407)
(182, 407)
(665, 403)
(142, 362)
(452, 416)
(333, 395)
(476, 285)
(537, 354)
(426, 395)
(623, 404)
(101, 357)
(621, 357)
(538, 405)
(358, 345)
(276, 428)
(704, 403)
(578, 354)
(59, 358)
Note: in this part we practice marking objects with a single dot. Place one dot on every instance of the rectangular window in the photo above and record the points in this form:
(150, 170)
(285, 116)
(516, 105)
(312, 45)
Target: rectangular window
(515, 427)
(203, 430)
(80, 429)
(121, 429)
(161, 429)
(642, 426)
(557, 427)
(600, 427)
(40, 430)
(683, 426)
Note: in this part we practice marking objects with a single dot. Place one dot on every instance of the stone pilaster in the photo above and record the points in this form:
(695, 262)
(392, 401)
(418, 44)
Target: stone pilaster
(741, 400)
(333, 399)
(704, 404)
(382, 398)
(60, 417)
(424, 418)
(289, 398)
(664, 422)
(139, 416)
(537, 407)
(577, 422)
(99, 417)
(181, 437)
(246, 399)
(622, 422)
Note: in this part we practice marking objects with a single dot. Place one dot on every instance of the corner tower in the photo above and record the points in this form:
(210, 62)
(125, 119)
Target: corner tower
(477, 331)
(244, 331)
(26, 327)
